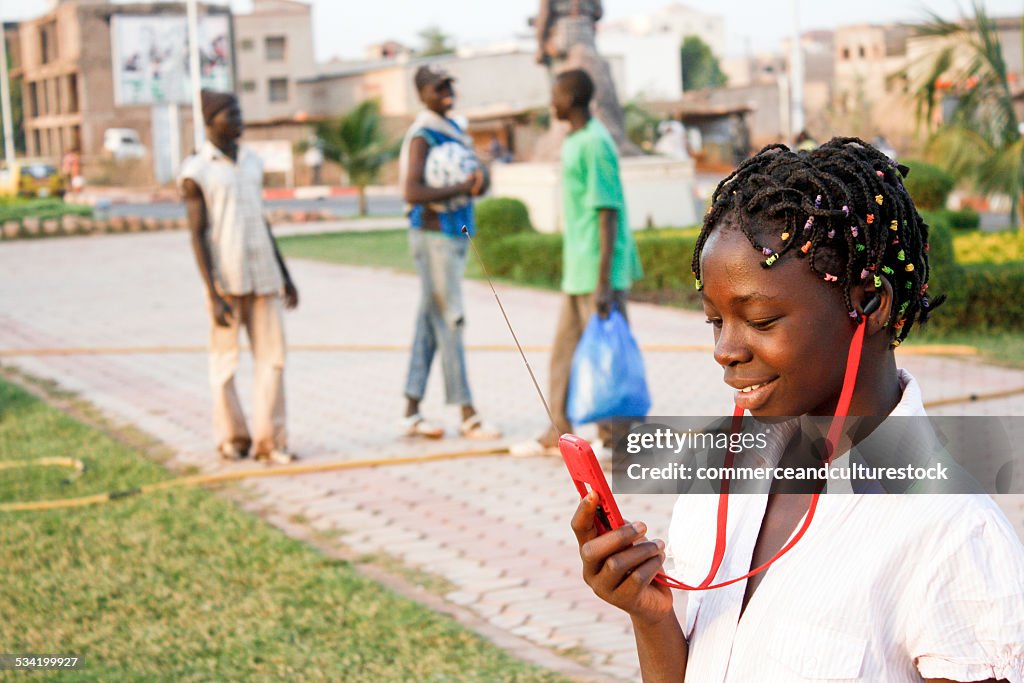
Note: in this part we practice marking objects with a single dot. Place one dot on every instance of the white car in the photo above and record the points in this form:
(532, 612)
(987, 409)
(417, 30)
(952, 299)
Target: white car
(123, 143)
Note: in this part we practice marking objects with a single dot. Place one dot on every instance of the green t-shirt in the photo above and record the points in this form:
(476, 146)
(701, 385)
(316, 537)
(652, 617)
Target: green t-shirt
(590, 181)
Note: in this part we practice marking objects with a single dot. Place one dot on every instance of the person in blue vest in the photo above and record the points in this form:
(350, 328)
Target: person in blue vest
(439, 176)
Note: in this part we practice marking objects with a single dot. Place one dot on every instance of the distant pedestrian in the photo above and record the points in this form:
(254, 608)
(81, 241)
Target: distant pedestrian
(599, 257)
(440, 176)
(245, 278)
(804, 142)
(314, 160)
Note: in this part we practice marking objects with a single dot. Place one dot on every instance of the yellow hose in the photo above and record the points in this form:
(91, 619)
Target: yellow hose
(217, 478)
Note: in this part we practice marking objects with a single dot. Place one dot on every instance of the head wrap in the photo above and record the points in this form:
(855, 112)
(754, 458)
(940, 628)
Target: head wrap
(214, 102)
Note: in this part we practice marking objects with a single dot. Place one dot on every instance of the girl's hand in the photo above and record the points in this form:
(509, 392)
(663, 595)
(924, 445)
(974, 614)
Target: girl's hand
(620, 565)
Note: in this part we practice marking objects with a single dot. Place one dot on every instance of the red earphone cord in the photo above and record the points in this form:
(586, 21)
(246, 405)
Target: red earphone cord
(842, 408)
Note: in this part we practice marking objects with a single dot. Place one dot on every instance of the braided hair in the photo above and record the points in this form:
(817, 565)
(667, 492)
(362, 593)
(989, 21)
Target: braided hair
(841, 206)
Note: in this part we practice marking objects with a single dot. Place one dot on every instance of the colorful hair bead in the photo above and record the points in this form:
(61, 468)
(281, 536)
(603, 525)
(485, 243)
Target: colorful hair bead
(853, 230)
(854, 314)
(901, 256)
(766, 251)
(698, 284)
(860, 247)
(910, 268)
(924, 288)
(832, 233)
(895, 343)
(887, 270)
(806, 247)
(785, 236)
(878, 282)
(817, 202)
(864, 274)
(831, 278)
(846, 210)
(871, 218)
(770, 260)
(908, 284)
(879, 174)
(893, 226)
(878, 199)
(899, 325)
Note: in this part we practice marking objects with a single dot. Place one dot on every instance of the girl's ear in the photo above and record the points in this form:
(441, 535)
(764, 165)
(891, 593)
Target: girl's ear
(877, 314)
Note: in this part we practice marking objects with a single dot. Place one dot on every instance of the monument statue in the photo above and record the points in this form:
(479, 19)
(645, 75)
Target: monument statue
(566, 39)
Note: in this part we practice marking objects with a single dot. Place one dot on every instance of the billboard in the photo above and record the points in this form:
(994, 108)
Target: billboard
(150, 57)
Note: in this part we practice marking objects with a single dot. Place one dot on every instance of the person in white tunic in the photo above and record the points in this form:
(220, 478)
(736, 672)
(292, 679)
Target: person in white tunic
(799, 251)
(247, 282)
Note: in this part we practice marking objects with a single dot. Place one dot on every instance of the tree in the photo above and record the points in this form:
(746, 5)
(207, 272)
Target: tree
(979, 139)
(357, 142)
(700, 67)
(641, 125)
(435, 42)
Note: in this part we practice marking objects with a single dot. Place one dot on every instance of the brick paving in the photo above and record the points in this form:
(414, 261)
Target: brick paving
(495, 528)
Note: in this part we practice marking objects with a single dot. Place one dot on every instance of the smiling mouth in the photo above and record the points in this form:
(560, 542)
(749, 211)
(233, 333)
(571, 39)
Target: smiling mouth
(752, 387)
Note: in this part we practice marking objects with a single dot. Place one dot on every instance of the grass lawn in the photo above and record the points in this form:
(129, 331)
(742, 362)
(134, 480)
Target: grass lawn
(381, 248)
(183, 586)
(1001, 348)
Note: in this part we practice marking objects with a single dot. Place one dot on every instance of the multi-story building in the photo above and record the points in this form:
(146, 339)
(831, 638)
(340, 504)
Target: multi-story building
(64, 65)
(274, 50)
(869, 95)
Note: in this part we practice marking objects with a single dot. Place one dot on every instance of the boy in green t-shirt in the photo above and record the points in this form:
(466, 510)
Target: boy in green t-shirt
(599, 258)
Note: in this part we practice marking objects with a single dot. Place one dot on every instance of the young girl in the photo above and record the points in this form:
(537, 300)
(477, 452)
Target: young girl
(798, 250)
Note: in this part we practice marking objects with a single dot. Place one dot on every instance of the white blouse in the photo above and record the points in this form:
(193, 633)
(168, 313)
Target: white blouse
(881, 588)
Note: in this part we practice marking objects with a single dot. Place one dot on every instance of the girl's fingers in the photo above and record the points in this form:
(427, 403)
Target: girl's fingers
(640, 578)
(622, 565)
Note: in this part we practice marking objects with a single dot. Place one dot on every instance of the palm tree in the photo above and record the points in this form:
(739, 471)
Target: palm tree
(358, 143)
(980, 139)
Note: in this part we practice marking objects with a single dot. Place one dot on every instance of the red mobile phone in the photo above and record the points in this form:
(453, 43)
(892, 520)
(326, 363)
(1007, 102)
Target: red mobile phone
(584, 469)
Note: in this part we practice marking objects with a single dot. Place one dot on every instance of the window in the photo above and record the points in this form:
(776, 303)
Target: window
(278, 88)
(48, 42)
(861, 51)
(248, 86)
(246, 43)
(846, 53)
(275, 47)
(73, 93)
(33, 102)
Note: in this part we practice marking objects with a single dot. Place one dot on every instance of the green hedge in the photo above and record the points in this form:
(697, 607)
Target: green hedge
(499, 217)
(929, 186)
(17, 209)
(964, 219)
(981, 296)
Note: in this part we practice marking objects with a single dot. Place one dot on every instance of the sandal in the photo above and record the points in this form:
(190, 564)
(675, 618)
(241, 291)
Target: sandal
(415, 425)
(532, 449)
(276, 457)
(478, 430)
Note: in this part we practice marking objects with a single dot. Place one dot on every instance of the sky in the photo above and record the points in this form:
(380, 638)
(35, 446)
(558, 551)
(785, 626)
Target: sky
(342, 28)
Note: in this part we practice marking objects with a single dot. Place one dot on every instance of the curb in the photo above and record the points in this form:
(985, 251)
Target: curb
(69, 225)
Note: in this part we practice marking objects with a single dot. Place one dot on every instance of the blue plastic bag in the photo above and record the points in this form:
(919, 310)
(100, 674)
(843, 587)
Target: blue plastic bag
(608, 378)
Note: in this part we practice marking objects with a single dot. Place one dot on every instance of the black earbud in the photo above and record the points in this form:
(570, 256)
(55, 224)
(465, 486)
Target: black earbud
(872, 305)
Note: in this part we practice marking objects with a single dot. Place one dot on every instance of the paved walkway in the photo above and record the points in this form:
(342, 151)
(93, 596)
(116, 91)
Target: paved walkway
(496, 528)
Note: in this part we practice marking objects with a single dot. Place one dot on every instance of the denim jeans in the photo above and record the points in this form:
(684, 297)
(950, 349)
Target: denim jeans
(441, 262)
